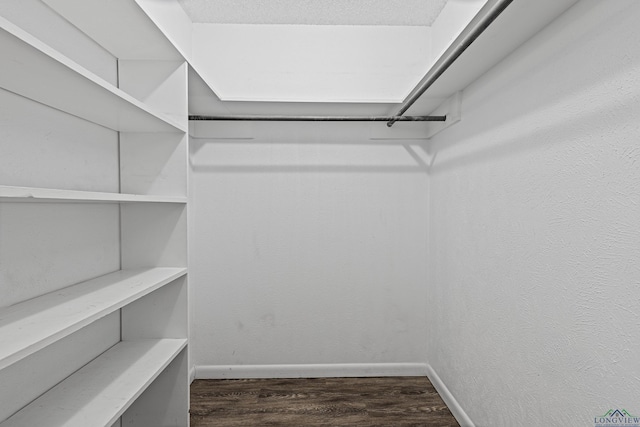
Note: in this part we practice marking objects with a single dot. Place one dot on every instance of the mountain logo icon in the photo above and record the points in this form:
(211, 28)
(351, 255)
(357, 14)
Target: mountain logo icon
(617, 418)
(617, 413)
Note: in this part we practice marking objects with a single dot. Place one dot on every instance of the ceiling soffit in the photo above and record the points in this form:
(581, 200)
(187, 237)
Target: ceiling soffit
(315, 12)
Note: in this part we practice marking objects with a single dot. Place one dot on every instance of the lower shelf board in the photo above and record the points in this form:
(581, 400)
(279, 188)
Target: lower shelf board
(100, 392)
(31, 325)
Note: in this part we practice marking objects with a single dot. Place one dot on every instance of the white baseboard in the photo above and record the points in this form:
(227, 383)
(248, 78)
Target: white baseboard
(460, 415)
(192, 374)
(311, 371)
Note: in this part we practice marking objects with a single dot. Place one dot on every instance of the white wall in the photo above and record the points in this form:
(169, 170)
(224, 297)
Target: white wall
(307, 251)
(311, 63)
(534, 290)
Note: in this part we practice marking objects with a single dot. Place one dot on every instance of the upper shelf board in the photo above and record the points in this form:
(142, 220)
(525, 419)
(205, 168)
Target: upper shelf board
(136, 36)
(36, 71)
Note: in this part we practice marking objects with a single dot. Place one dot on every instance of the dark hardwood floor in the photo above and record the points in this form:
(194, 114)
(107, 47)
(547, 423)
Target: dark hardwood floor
(381, 401)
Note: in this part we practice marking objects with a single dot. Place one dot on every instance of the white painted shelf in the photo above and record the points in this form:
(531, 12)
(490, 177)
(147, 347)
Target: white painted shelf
(123, 28)
(34, 70)
(31, 325)
(31, 194)
(100, 392)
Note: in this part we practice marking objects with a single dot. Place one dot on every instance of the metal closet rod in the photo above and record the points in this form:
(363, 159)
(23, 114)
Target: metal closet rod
(444, 62)
(323, 118)
(451, 55)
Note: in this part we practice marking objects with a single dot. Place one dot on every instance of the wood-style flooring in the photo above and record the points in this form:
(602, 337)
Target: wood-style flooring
(383, 401)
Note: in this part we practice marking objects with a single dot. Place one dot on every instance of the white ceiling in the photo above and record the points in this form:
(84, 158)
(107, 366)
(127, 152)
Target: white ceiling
(315, 12)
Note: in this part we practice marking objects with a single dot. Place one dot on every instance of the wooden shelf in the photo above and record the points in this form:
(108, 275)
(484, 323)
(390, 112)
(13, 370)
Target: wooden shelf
(43, 195)
(36, 71)
(31, 325)
(100, 392)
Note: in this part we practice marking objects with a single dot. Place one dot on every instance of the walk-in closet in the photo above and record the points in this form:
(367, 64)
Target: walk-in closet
(416, 212)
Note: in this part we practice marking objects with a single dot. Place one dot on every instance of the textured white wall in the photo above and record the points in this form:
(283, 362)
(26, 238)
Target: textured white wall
(534, 291)
(307, 247)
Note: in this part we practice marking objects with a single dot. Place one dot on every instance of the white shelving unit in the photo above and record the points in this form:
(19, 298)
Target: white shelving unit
(93, 199)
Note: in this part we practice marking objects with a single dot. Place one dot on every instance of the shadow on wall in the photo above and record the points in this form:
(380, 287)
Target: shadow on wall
(573, 103)
(261, 147)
